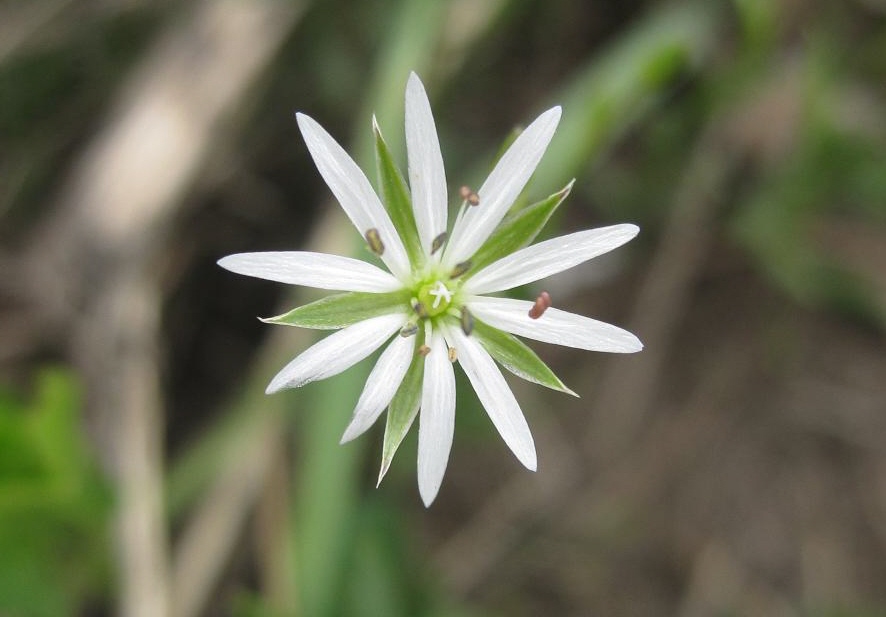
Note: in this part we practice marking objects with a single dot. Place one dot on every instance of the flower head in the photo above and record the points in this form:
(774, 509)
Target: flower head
(430, 307)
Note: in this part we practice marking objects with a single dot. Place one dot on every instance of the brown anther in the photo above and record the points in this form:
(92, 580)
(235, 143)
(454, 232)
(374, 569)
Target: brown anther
(467, 321)
(460, 268)
(424, 350)
(408, 330)
(437, 244)
(469, 196)
(373, 239)
(419, 309)
(542, 303)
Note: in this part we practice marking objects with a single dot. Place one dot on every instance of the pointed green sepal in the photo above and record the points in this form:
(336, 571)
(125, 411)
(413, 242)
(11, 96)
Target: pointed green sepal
(396, 198)
(340, 310)
(514, 355)
(402, 412)
(518, 230)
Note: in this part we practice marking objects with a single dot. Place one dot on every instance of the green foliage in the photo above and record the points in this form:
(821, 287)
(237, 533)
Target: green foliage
(53, 503)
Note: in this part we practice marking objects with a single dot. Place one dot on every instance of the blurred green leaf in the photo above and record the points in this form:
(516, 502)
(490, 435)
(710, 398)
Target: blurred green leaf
(53, 503)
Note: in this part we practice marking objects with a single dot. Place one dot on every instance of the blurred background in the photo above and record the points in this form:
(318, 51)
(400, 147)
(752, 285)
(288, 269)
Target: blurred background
(734, 467)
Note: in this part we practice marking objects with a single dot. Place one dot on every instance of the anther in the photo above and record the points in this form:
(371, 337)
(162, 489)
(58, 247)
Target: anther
(467, 321)
(469, 196)
(437, 244)
(419, 309)
(542, 303)
(408, 330)
(424, 350)
(460, 268)
(453, 354)
(373, 239)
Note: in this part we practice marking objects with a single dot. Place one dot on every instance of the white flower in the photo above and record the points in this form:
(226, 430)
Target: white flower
(434, 290)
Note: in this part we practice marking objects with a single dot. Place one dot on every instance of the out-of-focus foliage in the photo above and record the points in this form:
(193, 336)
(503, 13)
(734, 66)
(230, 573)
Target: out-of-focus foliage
(54, 505)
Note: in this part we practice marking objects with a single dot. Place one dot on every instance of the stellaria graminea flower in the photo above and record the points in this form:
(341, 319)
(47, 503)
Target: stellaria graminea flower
(430, 306)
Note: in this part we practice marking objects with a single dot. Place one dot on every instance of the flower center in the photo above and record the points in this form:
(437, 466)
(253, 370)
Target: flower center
(435, 297)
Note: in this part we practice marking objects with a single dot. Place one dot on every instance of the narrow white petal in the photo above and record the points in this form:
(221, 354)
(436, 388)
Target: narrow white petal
(495, 395)
(436, 420)
(549, 257)
(502, 187)
(318, 270)
(554, 326)
(337, 352)
(381, 385)
(354, 192)
(427, 177)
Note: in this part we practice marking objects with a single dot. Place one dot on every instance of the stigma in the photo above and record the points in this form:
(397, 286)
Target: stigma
(440, 292)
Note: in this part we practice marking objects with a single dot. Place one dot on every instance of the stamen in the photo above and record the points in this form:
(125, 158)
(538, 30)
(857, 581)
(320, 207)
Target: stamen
(460, 268)
(419, 309)
(453, 354)
(469, 196)
(467, 321)
(408, 330)
(437, 244)
(373, 239)
(542, 303)
(424, 350)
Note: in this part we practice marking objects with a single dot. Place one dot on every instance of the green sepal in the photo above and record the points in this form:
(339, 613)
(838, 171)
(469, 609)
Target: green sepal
(340, 310)
(518, 230)
(514, 355)
(401, 412)
(396, 198)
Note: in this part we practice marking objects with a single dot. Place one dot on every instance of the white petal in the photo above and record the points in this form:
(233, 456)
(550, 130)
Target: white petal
(318, 270)
(495, 395)
(337, 352)
(354, 192)
(554, 326)
(381, 385)
(436, 420)
(501, 188)
(549, 257)
(427, 177)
